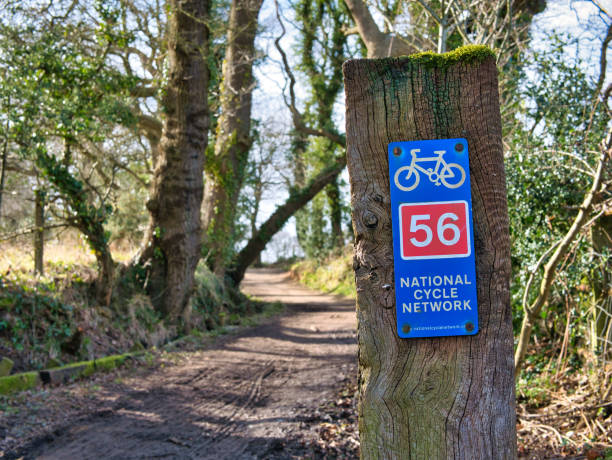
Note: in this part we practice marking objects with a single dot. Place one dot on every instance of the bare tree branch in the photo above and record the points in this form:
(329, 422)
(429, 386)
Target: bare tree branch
(603, 60)
(29, 230)
(562, 249)
(298, 119)
(377, 43)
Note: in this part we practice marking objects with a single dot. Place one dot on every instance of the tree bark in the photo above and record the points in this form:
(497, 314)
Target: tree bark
(335, 213)
(3, 166)
(39, 232)
(173, 239)
(106, 265)
(258, 189)
(298, 148)
(447, 397)
(225, 171)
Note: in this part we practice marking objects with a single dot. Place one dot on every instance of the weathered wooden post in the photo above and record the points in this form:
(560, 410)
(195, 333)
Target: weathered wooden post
(448, 396)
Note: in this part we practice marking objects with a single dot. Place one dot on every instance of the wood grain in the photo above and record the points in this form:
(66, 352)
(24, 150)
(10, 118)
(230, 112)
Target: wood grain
(449, 397)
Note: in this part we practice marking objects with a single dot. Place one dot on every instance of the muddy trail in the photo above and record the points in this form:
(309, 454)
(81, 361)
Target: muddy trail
(253, 394)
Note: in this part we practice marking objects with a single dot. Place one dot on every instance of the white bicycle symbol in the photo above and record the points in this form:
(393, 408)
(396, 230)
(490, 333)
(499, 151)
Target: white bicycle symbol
(451, 175)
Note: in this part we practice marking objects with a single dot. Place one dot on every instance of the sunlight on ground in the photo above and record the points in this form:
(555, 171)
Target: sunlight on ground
(68, 248)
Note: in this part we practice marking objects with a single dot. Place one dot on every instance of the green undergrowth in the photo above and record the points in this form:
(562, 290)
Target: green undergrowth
(334, 274)
(51, 321)
(215, 306)
(35, 319)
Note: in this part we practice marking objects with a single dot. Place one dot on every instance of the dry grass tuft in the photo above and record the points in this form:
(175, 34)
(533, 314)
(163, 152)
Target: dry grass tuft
(67, 248)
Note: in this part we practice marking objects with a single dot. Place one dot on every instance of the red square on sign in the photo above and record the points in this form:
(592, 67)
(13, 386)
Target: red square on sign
(435, 230)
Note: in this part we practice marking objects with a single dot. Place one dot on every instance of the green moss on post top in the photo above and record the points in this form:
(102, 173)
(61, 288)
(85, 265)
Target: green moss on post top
(467, 54)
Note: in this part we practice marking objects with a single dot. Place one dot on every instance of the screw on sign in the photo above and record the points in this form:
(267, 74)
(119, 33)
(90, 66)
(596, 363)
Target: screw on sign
(435, 280)
(422, 395)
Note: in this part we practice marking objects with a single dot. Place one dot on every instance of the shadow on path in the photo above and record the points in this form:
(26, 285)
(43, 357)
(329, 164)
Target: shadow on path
(254, 394)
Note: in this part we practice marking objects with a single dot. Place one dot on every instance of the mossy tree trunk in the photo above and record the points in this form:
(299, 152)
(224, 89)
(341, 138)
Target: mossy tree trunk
(39, 231)
(322, 49)
(448, 397)
(335, 211)
(299, 144)
(172, 244)
(226, 168)
(3, 166)
(98, 239)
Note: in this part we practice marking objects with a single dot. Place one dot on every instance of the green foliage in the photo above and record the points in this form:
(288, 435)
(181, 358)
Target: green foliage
(129, 217)
(39, 317)
(322, 51)
(33, 319)
(60, 93)
(536, 391)
(313, 228)
(323, 48)
(333, 274)
(549, 168)
(216, 305)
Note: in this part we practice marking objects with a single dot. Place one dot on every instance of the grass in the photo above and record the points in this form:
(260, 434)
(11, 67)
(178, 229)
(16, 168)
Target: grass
(67, 249)
(333, 274)
(215, 306)
(47, 321)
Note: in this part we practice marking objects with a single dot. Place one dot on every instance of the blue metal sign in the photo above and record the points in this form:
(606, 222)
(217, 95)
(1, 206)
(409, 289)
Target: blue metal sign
(433, 238)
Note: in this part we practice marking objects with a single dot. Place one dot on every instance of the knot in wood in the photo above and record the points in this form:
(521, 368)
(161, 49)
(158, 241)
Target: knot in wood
(369, 219)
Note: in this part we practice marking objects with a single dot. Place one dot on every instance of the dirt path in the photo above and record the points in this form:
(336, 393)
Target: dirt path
(251, 395)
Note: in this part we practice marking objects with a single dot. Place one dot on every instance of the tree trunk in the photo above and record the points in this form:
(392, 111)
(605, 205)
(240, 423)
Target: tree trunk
(299, 144)
(257, 194)
(601, 328)
(39, 231)
(446, 397)
(378, 43)
(106, 265)
(225, 171)
(172, 249)
(297, 199)
(335, 211)
(3, 170)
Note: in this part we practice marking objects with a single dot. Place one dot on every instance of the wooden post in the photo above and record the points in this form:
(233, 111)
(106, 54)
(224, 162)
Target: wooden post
(433, 398)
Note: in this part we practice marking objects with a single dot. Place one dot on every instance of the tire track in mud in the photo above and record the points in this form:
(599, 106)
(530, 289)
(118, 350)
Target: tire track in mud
(248, 396)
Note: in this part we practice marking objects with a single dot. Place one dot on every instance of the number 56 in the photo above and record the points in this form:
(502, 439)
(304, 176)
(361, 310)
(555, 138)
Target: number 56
(441, 228)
